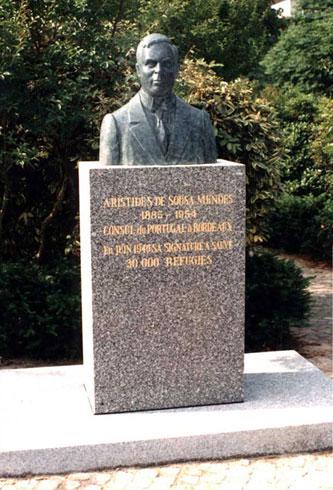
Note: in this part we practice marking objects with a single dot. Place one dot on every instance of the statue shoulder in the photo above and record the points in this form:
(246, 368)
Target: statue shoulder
(120, 116)
(194, 112)
(116, 116)
(199, 117)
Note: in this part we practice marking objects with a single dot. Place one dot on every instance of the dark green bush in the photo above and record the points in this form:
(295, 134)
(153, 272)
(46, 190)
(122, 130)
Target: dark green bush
(40, 313)
(301, 219)
(303, 55)
(306, 121)
(59, 61)
(276, 299)
(302, 224)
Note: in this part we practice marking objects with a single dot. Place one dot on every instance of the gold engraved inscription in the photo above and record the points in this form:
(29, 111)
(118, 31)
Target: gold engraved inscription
(107, 250)
(181, 260)
(133, 202)
(147, 248)
(151, 218)
(173, 247)
(215, 199)
(152, 214)
(162, 201)
(168, 228)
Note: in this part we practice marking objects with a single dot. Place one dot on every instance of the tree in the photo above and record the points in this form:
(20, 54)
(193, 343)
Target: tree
(303, 56)
(59, 62)
(250, 29)
(234, 33)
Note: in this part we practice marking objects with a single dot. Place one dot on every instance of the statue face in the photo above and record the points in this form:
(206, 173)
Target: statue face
(157, 70)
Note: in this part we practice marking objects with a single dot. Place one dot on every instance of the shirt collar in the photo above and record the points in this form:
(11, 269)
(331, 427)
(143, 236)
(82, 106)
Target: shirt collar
(155, 103)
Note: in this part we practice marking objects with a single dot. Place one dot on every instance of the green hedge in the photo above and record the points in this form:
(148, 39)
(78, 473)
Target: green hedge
(276, 299)
(302, 224)
(40, 312)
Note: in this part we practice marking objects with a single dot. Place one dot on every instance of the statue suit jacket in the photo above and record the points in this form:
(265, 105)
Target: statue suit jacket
(128, 139)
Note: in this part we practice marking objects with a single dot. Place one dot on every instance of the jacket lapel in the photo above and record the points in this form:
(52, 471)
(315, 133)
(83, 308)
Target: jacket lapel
(180, 134)
(143, 136)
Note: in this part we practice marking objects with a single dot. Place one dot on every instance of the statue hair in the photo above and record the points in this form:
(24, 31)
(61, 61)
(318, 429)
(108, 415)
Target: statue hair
(152, 39)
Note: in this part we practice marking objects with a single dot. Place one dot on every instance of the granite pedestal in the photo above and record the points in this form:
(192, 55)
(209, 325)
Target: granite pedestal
(46, 423)
(163, 261)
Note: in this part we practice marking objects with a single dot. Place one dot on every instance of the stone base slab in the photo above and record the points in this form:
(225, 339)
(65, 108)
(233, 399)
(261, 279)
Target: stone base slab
(47, 425)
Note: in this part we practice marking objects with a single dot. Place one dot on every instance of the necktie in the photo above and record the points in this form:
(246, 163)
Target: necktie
(161, 129)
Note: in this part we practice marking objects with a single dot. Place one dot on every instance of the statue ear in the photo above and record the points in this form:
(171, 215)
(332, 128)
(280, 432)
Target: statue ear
(137, 67)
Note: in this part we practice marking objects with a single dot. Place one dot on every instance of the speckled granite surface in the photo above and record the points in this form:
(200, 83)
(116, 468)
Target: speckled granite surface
(163, 285)
(47, 425)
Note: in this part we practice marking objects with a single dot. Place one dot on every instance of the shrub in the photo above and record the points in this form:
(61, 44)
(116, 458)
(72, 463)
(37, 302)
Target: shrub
(59, 60)
(322, 141)
(246, 131)
(276, 299)
(303, 55)
(306, 121)
(218, 30)
(302, 224)
(40, 311)
(301, 219)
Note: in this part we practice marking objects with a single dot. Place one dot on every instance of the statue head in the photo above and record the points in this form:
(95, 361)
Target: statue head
(157, 64)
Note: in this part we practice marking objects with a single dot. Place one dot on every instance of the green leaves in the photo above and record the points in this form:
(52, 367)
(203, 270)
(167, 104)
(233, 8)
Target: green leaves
(247, 132)
(308, 217)
(40, 310)
(303, 55)
(233, 33)
(276, 299)
(59, 63)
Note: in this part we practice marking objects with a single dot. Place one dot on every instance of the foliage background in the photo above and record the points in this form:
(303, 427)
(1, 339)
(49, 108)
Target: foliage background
(65, 63)
(40, 311)
(303, 55)
(300, 70)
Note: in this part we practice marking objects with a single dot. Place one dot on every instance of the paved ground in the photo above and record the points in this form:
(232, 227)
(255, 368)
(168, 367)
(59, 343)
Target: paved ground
(301, 472)
(315, 341)
(293, 472)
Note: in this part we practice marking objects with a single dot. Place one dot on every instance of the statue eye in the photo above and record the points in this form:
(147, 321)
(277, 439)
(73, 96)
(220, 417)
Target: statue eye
(150, 63)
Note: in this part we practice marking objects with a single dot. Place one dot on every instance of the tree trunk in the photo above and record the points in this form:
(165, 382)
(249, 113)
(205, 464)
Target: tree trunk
(49, 218)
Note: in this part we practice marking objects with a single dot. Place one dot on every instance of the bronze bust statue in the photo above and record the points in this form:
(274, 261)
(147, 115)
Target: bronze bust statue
(156, 127)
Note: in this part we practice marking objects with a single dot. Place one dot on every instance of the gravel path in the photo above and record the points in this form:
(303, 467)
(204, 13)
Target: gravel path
(315, 341)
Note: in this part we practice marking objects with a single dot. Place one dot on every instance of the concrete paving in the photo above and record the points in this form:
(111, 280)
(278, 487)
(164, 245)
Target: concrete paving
(299, 472)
